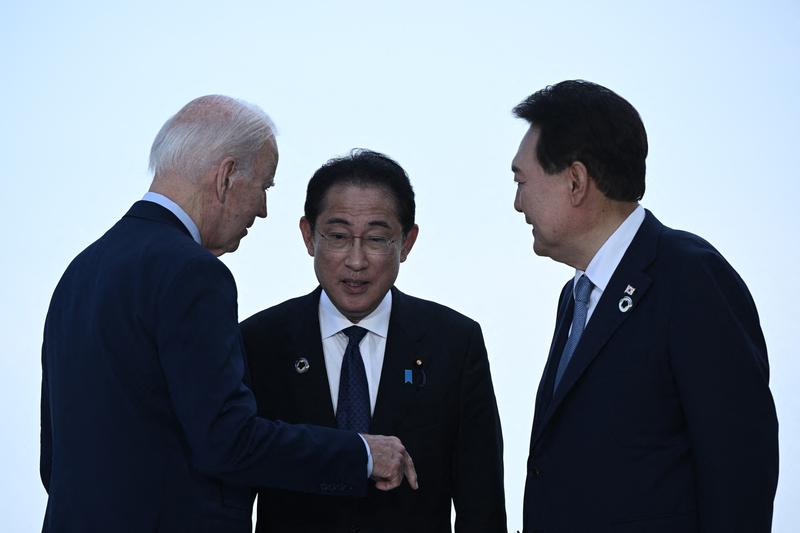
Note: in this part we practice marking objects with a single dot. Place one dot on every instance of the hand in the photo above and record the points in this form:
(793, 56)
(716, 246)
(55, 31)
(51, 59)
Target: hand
(390, 462)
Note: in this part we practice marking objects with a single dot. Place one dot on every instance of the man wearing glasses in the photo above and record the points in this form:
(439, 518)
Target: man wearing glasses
(357, 353)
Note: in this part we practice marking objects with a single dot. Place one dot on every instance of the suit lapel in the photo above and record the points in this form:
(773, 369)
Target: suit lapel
(402, 350)
(607, 316)
(544, 395)
(310, 389)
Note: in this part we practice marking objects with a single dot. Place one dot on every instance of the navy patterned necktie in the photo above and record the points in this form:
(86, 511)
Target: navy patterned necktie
(352, 409)
(582, 291)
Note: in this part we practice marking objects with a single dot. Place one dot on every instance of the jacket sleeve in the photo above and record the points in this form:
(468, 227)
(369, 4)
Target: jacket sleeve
(201, 355)
(719, 360)
(478, 494)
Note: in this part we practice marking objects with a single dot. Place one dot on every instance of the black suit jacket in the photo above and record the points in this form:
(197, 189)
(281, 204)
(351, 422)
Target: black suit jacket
(447, 419)
(146, 425)
(663, 421)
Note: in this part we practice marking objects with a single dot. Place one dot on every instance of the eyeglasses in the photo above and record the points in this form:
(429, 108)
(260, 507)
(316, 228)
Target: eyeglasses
(336, 241)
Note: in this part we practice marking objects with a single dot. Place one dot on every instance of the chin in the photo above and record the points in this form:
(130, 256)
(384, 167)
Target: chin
(540, 250)
(353, 309)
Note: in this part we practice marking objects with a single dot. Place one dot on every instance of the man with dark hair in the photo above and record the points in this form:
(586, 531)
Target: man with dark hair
(146, 423)
(358, 353)
(654, 411)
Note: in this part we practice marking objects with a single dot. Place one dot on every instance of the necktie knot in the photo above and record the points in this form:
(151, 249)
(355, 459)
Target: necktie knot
(354, 334)
(583, 289)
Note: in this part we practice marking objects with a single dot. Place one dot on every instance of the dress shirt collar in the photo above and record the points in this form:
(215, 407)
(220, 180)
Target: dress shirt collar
(608, 257)
(332, 321)
(176, 210)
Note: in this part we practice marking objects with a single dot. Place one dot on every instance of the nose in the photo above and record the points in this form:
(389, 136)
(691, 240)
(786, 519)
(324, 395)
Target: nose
(262, 212)
(356, 259)
(518, 202)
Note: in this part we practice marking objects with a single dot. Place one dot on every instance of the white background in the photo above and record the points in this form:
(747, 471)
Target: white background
(86, 85)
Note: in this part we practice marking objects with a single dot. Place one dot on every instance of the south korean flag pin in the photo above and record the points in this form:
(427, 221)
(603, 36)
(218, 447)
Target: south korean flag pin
(626, 302)
(629, 290)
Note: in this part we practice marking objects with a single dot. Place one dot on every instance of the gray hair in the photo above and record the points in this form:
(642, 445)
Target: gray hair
(205, 131)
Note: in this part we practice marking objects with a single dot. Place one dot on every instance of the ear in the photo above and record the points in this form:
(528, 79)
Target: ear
(308, 235)
(579, 180)
(222, 177)
(408, 242)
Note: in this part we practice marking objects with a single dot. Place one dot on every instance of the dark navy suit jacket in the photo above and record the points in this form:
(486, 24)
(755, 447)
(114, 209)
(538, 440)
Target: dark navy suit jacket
(663, 421)
(146, 425)
(446, 416)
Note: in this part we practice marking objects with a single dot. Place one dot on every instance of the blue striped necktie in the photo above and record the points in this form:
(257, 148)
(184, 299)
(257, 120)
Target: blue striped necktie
(583, 288)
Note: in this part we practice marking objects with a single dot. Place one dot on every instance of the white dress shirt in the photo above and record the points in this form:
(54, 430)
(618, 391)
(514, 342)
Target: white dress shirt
(372, 346)
(176, 210)
(608, 257)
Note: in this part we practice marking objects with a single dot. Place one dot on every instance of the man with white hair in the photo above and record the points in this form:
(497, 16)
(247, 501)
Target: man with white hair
(146, 423)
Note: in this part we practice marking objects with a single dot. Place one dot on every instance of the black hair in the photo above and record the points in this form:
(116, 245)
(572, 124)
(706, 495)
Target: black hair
(582, 121)
(364, 168)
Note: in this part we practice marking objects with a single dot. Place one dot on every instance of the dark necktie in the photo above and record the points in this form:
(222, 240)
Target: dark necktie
(352, 409)
(582, 291)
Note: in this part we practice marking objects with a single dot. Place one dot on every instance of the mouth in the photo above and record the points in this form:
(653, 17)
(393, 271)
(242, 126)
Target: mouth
(353, 286)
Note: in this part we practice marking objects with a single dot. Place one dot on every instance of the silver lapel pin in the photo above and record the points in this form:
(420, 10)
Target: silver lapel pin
(625, 304)
(301, 366)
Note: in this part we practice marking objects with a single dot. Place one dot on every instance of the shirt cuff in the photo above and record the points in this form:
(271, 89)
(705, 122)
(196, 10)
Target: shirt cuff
(369, 456)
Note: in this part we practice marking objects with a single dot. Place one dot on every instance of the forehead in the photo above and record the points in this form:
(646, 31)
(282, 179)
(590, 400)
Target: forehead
(266, 162)
(352, 200)
(526, 153)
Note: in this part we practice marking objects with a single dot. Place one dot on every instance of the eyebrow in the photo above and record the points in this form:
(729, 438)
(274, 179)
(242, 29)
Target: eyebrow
(373, 223)
(337, 221)
(379, 223)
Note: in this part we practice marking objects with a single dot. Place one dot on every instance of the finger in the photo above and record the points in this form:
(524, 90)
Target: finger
(410, 471)
(388, 483)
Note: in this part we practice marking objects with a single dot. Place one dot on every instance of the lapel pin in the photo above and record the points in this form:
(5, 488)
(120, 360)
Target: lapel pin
(408, 376)
(422, 378)
(630, 290)
(625, 304)
(301, 366)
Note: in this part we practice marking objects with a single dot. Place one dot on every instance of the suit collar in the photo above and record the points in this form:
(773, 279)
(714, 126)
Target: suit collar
(610, 254)
(606, 319)
(151, 211)
(177, 210)
(403, 314)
